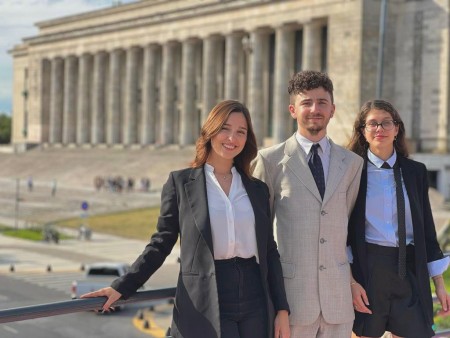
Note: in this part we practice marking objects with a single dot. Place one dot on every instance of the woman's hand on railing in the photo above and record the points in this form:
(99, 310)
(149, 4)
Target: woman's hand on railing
(108, 292)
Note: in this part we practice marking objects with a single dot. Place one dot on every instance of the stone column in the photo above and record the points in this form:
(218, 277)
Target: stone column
(56, 100)
(115, 97)
(149, 95)
(167, 93)
(256, 93)
(233, 49)
(284, 68)
(84, 98)
(209, 75)
(188, 118)
(98, 98)
(70, 99)
(44, 93)
(131, 97)
(312, 46)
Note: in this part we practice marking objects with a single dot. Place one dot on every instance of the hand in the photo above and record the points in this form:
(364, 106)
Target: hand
(282, 329)
(108, 292)
(360, 300)
(442, 295)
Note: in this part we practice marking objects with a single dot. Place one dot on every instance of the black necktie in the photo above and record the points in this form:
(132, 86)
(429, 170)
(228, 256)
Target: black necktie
(386, 166)
(315, 164)
(400, 218)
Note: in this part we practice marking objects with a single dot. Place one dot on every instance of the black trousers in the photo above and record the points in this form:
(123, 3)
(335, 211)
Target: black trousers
(242, 304)
(394, 302)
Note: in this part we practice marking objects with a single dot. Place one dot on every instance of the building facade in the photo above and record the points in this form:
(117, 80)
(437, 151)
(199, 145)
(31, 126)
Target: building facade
(147, 73)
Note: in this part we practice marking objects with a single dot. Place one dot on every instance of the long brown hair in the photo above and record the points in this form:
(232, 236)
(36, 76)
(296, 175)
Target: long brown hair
(213, 124)
(358, 143)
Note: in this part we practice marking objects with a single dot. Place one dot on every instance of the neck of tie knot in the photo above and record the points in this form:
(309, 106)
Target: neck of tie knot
(386, 166)
(315, 148)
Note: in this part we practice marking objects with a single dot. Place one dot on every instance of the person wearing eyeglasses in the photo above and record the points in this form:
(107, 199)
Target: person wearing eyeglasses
(391, 233)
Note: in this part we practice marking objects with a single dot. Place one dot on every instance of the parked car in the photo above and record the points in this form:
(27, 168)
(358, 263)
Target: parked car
(97, 276)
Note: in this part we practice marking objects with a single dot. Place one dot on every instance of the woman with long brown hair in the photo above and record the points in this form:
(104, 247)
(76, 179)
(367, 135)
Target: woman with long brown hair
(230, 279)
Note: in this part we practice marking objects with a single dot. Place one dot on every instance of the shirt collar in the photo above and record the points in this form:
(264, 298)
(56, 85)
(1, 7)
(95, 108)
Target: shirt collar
(210, 169)
(378, 162)
(307, 144)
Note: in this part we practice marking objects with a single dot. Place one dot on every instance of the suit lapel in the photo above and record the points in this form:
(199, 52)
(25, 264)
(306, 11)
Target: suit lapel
(336, 170)
(296, 162)
(409, 179)
(256, 197)
(196, 194)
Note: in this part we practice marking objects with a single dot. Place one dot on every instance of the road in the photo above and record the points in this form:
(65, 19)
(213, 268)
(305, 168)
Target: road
(15, 292)
(31, 284)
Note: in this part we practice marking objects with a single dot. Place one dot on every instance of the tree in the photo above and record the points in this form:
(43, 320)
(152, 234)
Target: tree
(5, 128)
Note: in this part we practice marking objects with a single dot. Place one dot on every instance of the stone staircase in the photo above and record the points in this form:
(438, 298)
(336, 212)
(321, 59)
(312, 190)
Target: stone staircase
(77, 167)
(74, 171)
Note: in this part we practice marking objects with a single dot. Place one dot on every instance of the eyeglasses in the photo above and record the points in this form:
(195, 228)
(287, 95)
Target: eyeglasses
(386, 125)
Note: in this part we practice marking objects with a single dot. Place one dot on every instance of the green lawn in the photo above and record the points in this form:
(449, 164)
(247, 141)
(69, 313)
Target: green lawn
(32, 233)
(136, 224)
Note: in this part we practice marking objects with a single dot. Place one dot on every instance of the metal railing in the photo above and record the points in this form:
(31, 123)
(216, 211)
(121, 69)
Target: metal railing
(78, 305)
(91, 304)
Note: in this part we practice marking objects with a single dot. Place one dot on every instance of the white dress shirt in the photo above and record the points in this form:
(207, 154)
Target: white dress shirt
(231, 217)
(323, 151)
(381, 209)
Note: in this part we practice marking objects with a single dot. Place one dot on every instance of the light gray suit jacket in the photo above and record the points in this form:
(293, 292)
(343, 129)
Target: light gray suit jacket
(311, 233)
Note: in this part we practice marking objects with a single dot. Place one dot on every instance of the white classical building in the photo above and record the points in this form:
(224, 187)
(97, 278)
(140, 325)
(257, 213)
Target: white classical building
(147, 73)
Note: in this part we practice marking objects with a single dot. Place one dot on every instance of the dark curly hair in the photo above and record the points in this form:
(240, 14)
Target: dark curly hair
(307, 80)
(358, 143)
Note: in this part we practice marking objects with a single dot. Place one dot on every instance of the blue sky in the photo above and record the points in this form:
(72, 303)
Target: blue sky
(17, 19)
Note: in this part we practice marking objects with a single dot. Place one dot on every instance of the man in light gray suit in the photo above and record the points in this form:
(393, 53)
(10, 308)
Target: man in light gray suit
(313, 186)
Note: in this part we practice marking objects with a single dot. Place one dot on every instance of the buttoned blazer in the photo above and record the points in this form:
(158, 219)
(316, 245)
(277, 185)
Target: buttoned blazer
(426, 246)
(184, 214)
(312, 233)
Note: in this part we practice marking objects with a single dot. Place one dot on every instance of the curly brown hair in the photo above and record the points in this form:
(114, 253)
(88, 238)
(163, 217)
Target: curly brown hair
(213, 124)
(307, 80)
(358, 143)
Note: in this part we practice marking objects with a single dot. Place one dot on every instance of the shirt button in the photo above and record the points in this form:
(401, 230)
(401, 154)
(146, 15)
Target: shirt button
(322, 240)
(323, 212)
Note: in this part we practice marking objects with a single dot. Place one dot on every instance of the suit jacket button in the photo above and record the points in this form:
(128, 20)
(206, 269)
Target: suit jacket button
(321, 268)
(323, 212)
(322, 240)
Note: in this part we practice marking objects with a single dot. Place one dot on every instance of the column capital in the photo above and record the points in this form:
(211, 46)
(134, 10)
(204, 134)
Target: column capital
(314, 22)
(288, 26)
(192, 39)
(152, 45)
(262, 30)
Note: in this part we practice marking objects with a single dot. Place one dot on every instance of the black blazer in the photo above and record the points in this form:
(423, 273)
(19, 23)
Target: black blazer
(426, 246)
(184, 212)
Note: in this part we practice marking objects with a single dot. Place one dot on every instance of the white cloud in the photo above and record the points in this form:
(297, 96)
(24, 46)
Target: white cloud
(17, 22)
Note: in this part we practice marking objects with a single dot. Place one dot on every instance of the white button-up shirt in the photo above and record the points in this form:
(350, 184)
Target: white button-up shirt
(231, 217)
(381, 210)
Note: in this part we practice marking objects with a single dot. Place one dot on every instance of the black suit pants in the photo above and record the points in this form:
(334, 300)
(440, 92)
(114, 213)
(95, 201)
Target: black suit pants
(394, 301)
(242, 305)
